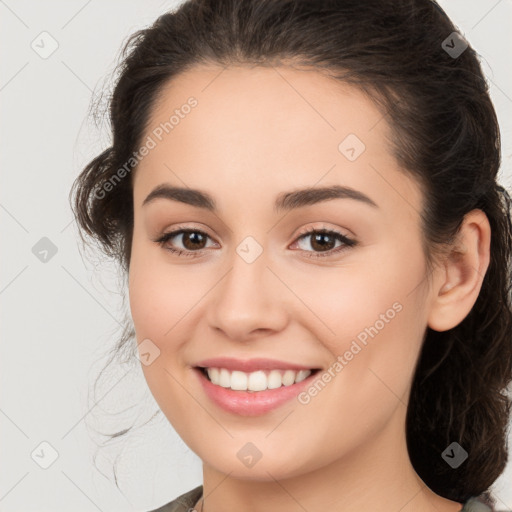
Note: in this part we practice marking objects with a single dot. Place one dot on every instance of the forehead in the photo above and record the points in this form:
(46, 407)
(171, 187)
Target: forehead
(263, 102)
(262, 128)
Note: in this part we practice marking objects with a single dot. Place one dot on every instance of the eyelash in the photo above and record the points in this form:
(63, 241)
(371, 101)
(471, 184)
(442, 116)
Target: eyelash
(347, 242)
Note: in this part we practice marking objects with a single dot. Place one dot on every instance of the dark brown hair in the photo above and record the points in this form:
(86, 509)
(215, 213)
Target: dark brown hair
(445, 135)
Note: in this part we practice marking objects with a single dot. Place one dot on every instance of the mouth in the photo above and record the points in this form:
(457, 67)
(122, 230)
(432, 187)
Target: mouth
(256, 393)
(255, 381)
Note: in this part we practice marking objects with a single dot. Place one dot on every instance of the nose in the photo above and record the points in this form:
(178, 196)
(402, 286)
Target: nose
(249, 301)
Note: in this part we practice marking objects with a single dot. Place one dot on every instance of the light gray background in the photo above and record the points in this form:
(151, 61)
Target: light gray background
(59, 317)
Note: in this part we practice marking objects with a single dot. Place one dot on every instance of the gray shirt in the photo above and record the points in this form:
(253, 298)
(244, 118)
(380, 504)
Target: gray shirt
(186, 502)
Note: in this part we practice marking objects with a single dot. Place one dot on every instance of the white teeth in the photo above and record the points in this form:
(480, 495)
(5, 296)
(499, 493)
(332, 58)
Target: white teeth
(288, 378)
(224, 379)
(256, 381)
(302, 374)
(274, 380)
(238, 381)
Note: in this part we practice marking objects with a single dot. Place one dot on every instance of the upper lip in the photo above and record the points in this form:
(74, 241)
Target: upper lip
(250, 365)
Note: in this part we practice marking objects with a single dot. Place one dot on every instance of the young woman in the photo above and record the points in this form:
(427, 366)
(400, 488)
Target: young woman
(303, 195)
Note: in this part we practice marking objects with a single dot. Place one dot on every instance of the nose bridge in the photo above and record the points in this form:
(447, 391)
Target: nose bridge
(247, 277)
(247, 297)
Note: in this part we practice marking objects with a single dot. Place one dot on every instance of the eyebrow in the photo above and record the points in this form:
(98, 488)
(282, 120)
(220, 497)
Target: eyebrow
(285, 201)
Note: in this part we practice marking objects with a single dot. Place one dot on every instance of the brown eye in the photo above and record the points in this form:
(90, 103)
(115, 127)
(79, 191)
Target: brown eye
(192, 240)
(323, 241)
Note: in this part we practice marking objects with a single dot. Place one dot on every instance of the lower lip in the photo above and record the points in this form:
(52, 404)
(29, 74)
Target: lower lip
(255, 403)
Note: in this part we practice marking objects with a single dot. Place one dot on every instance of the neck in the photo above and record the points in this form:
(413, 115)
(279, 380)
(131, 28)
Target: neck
(377, 475)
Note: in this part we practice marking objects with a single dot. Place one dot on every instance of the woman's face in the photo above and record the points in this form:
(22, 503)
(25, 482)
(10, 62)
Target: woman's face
(252, 286)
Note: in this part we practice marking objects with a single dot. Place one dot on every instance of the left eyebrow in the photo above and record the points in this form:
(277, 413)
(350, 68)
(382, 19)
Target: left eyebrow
(285, 201)
(308, 196)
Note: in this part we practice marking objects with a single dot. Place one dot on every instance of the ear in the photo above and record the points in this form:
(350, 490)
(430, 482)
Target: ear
(458, 281)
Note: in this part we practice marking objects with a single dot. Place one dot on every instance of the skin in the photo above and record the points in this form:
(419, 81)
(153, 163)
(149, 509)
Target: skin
(255, 133)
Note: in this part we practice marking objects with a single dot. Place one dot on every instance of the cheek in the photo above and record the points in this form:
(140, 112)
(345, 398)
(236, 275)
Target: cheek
(158, 293)
(355, 296)
(153, 299)
(375, 316)
(156, 296)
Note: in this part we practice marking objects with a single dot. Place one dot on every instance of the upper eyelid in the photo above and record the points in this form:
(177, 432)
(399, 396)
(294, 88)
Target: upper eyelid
(305, 231)
(309, 231)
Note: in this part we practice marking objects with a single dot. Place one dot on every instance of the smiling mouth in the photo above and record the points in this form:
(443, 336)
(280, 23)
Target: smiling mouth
(252, 382)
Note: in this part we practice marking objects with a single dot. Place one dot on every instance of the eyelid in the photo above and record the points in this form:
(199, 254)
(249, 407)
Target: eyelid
(303, 231)
(324, 227)
(348, 241)
(185, 227)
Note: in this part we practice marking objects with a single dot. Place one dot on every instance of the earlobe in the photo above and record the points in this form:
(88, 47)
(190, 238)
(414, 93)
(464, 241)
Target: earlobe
(458, 282)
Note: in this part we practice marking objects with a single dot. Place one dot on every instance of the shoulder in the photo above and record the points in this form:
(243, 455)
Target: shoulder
(476, 505)
(184, 502)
